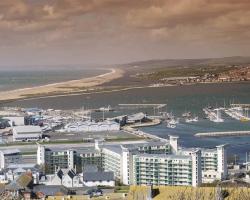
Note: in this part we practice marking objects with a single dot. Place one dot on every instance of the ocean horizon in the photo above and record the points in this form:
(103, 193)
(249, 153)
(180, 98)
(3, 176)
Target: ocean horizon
(18, 79)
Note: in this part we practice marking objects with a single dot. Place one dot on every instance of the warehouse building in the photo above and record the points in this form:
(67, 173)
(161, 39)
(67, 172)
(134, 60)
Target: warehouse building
(26, 133)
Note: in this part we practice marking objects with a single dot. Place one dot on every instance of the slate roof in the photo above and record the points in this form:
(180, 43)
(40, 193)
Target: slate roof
(10, 151)
(90, 168)
(98, 176)
(70, 172)
(27, 129)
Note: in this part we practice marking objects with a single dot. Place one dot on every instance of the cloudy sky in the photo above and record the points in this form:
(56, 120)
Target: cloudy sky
(117, 31)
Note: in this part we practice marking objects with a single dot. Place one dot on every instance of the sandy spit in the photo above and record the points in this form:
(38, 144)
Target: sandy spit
(62, 87)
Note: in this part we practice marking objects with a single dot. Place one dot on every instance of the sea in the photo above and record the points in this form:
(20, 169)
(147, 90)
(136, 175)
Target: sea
(179, 99)
(16, 79)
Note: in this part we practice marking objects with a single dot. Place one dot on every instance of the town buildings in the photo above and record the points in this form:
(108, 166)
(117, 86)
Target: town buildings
(156, 162)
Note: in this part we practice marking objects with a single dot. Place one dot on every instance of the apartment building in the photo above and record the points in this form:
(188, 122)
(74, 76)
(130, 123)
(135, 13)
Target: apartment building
(53, 158)
(156, 162)
(161, 169)
(213, 162)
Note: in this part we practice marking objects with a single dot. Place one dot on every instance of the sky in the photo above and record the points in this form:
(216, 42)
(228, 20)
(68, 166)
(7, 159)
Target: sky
(55, 32)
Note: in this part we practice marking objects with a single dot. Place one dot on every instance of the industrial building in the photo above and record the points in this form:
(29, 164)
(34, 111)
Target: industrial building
(91, 126)
(26, 133)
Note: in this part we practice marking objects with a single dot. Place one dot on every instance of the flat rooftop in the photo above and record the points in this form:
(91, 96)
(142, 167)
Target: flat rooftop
(165, 156)
(27, 129)
(10, 151)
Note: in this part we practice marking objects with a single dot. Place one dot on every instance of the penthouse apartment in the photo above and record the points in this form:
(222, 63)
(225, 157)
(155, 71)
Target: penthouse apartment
(213, 162)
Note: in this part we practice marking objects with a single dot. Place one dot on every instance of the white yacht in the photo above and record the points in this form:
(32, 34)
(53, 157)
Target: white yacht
(189, 120)
(170, 125)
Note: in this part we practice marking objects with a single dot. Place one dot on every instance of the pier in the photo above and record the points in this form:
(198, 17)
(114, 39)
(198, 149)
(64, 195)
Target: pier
(223, 134)
(246, 105)
(144, 105)
(140, 133)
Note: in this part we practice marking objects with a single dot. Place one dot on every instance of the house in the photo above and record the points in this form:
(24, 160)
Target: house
(14, 170)
(65, 177)
(92, 179)
(21, 183)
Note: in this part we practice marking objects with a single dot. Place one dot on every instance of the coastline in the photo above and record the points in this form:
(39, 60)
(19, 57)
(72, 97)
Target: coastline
(92, 90)
(90, 85)
(65, 88)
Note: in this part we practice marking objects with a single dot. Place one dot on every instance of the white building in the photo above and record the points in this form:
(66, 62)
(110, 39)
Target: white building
(53, 158)
(15, 121)
(162, 169)
(65, 177)
(13, 171)
(119, 158)
(26, 133)
(112, 160)
(155, 162)
(213, 163)
(90, 126)
(9, 156)
(205, 165)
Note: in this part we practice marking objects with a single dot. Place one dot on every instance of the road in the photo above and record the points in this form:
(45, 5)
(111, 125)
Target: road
(33, 147)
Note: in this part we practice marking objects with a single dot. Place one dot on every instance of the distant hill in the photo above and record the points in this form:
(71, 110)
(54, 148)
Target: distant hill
(162, 63)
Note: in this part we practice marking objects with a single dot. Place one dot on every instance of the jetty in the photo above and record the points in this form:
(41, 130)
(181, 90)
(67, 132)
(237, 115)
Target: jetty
(245, 105)
(143, 105)
(223, 134)
(143, 134)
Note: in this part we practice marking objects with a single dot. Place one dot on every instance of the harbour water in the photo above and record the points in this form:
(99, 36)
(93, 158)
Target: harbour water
(178, 99)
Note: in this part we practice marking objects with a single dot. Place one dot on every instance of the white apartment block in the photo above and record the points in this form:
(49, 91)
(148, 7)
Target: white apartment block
(213, 162)
(54, 158)
(157, 162)
(160, 169)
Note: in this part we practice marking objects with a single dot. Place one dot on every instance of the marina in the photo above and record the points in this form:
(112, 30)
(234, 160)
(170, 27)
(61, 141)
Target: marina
(124, 100)
(238, 113)
(213, 115)
(188, 98)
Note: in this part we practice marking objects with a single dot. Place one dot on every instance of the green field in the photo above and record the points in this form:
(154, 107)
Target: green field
(185, 71)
